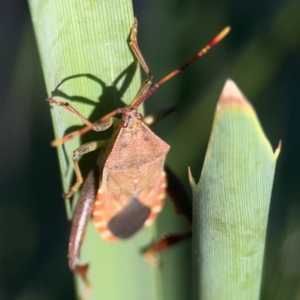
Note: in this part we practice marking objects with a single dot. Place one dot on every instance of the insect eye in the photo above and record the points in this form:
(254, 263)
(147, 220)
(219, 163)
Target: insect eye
(124, 124)
(139, 116)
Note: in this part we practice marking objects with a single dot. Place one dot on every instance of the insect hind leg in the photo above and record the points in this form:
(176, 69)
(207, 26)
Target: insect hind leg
(165, 242)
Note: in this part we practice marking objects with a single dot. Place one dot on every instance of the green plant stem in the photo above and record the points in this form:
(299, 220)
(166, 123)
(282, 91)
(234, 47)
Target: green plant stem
(231, 203)
(86, 61)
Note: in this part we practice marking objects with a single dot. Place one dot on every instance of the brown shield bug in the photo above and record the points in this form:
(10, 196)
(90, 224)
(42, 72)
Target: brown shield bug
(126, 190)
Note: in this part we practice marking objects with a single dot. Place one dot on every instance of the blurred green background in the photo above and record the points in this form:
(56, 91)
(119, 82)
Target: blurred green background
(261, 54)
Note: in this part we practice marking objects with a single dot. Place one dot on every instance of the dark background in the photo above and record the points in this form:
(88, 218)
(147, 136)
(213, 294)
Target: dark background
(261, 54)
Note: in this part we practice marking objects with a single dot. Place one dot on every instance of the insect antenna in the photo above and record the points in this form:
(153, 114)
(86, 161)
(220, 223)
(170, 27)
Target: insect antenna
(137, 102)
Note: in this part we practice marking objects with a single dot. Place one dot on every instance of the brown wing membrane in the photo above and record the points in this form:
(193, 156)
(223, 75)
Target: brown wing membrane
(129, 220)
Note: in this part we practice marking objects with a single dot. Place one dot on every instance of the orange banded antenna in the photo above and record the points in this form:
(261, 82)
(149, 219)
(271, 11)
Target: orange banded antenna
(137, 102)
(203, 51)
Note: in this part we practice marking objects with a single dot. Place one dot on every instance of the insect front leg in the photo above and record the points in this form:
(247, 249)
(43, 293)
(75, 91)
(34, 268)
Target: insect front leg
(146, 84)
(83, 149)
(95, 126)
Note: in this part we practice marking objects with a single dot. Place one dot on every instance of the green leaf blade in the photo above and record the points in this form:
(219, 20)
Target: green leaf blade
(231, 203)
(87, 62)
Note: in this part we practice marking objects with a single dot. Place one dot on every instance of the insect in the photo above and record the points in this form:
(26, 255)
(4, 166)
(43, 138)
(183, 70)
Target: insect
(126, 190)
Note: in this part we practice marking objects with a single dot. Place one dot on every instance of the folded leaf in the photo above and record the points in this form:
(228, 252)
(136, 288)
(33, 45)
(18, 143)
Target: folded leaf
(231, 203)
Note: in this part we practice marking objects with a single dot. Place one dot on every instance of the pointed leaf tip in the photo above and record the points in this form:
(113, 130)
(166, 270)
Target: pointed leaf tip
(231, 89)
(232, 95)
(191, 178)
(278, 149)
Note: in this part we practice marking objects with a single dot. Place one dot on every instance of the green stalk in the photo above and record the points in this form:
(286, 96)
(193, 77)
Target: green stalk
(84, 50)
(231, 203)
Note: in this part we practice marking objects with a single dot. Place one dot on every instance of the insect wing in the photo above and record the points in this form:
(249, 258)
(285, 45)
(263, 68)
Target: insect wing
(133, 183)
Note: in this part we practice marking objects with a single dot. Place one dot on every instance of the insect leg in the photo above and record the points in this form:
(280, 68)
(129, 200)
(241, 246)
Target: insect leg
(83, 149)
(136, 50)
(138, 101)
(165, 242)
(145, 86)
(95, 126)
(81, 217)
(181, 200)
